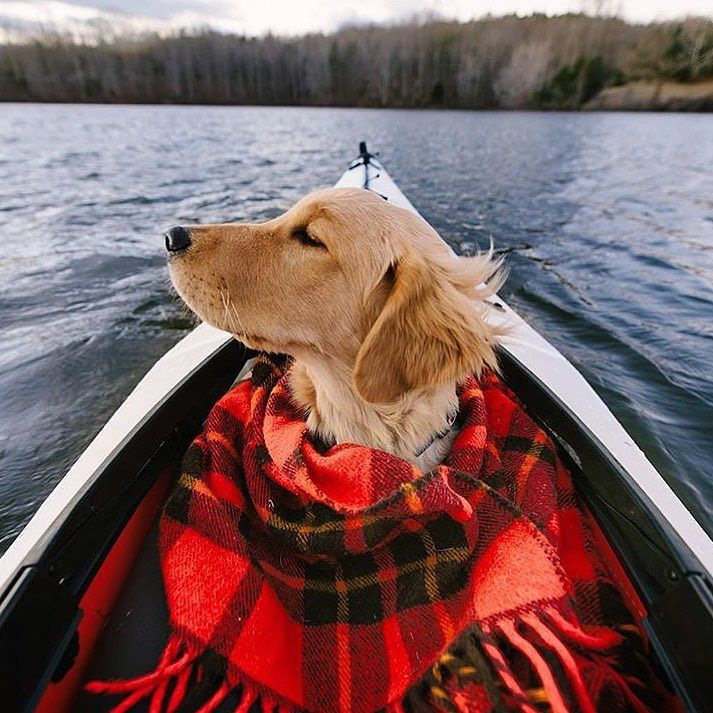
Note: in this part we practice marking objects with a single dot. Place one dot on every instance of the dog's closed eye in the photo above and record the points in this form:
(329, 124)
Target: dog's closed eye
(304, 237)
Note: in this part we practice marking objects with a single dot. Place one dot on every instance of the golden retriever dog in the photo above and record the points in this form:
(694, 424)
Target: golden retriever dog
(381, 318)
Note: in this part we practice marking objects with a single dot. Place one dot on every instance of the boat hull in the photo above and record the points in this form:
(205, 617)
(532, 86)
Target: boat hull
(60, 578)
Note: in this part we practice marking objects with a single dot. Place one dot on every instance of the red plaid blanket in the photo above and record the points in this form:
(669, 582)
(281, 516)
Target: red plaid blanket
(300, 576)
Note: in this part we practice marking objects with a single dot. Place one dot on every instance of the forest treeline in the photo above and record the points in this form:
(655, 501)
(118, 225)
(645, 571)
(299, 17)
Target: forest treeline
(535, 61)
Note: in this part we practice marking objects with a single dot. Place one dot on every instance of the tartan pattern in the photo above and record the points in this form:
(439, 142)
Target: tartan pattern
(344, 579)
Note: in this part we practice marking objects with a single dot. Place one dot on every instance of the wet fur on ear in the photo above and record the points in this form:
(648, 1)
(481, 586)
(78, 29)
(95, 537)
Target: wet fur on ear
(431, 330)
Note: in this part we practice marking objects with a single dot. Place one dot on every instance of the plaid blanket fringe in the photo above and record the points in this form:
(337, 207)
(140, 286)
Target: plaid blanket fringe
(445, 686)
(278, 552)
(451, 684)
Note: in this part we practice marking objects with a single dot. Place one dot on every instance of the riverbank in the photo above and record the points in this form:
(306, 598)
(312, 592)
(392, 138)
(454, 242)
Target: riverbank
(654, 96)
(537, 62)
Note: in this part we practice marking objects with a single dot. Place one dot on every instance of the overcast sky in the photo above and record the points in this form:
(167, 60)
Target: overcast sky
(255, 17)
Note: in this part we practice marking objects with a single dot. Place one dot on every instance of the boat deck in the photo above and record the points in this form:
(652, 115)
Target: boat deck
(135, 635)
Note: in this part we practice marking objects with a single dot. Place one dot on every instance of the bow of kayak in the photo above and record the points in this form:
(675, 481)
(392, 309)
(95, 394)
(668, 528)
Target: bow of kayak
(87, 563)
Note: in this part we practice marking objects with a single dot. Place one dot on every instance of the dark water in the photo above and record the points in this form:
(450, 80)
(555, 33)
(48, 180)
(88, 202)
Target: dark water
(610, 218)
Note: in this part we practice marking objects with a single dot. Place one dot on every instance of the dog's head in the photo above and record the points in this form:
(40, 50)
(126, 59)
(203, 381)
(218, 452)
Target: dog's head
(346, 274)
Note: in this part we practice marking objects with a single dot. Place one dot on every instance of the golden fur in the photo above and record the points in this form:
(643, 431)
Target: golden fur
(381, 318)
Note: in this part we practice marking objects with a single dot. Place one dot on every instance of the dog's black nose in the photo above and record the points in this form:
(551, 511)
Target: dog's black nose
(177, 239)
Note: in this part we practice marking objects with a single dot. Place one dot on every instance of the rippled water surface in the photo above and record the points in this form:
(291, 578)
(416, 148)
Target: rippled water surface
(607, 220)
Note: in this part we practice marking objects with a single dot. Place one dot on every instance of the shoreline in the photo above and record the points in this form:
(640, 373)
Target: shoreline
(662, 96)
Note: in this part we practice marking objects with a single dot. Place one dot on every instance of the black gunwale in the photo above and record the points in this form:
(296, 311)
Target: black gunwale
(39, 608)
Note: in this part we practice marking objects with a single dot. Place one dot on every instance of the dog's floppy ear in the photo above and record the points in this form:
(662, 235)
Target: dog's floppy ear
(431, 329)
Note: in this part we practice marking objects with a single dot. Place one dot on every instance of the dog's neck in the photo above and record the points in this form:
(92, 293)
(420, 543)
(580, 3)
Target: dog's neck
(417, 427)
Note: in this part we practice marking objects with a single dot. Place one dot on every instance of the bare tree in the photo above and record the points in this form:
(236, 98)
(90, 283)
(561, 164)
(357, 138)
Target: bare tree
(507, 61)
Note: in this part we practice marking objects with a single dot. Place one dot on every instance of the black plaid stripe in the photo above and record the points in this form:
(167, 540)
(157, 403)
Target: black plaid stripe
(178, 504)
(295, 461)
(321, 601)
(262, 455)
(223, 421)
(197, 510)
(375, 531)
(268, 368)
(315, 528)
(430, 564)
(516, 448)
(409, 554)
(451, 573)
(355, 580)
(279, 402)
(364, 602)
(424, 573)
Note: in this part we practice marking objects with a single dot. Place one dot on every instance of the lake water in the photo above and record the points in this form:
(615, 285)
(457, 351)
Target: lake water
(608, 220)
